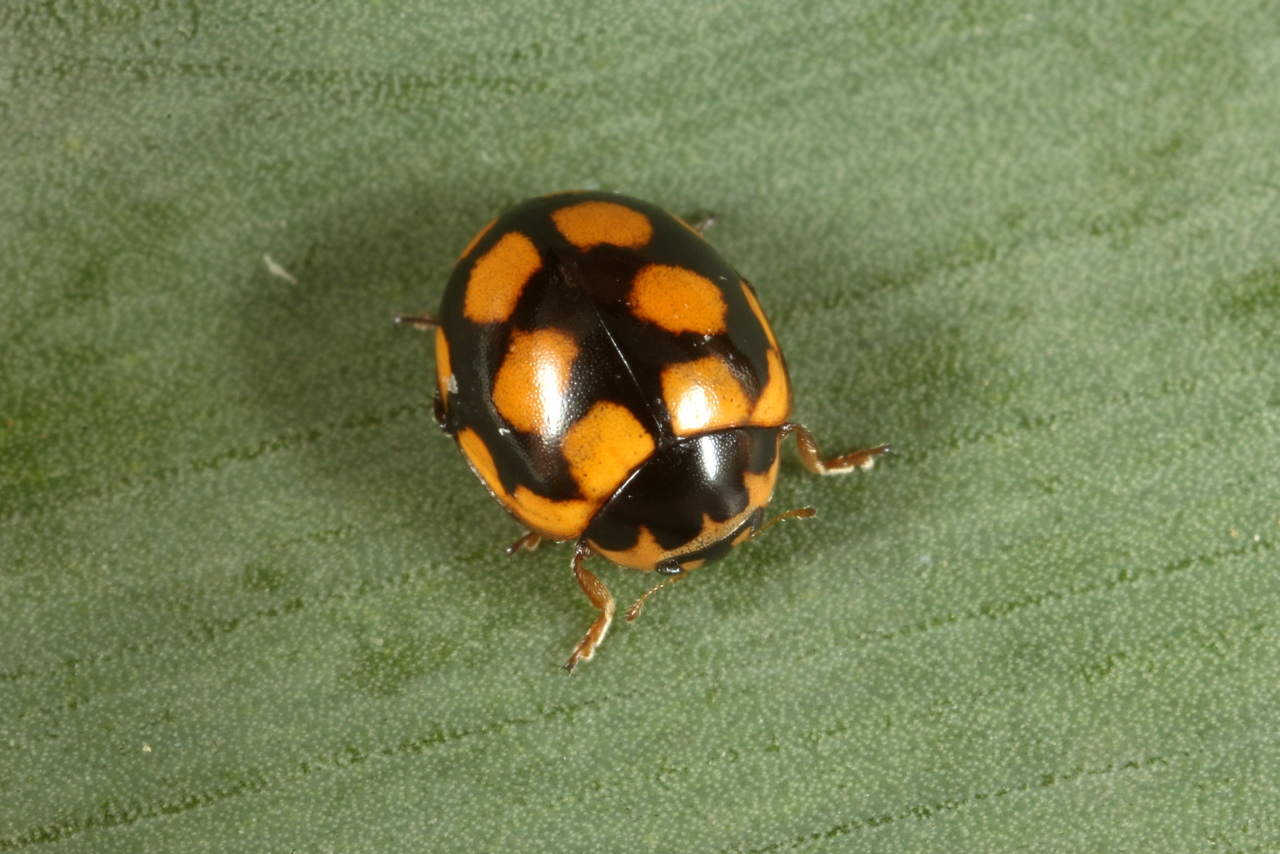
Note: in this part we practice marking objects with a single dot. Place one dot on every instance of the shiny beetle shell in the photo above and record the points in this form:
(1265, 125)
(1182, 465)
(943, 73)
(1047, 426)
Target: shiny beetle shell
(587, 341)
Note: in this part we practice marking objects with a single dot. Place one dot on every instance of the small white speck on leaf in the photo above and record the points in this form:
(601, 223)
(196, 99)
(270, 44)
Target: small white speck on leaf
(276, 270)
(146, 748)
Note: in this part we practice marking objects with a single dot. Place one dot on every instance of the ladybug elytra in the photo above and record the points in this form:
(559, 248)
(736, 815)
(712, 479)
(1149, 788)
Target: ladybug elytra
(613, 381)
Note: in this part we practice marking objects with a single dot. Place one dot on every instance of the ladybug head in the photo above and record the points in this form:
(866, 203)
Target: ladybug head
(689, 503)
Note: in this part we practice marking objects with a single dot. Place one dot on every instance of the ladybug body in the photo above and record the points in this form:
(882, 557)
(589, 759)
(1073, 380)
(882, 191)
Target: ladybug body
(612, 380)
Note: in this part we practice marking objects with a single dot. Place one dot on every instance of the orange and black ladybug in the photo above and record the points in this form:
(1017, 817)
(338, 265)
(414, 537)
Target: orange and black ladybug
(612, 380)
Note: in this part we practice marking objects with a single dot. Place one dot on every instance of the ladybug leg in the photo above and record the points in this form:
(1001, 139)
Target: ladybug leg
(600, 597)
(812, 457)
(417, 321)
(797, 513)
(634, 610)
(528, 542)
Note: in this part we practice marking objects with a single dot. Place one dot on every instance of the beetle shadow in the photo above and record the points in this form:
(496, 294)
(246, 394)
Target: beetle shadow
(351, 394)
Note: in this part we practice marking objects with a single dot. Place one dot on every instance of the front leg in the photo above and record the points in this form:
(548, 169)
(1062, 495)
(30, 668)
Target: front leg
(600, 597)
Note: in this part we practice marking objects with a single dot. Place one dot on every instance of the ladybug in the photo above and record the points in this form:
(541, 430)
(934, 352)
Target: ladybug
(613, 381)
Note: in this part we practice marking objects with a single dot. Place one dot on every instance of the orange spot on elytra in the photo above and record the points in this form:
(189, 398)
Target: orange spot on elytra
(677, 300)
(644, 555)
(444, 368)
(774, 404)
(603, 447)
(498, 278)
(703, 395)
(589, 224)
(529, 389)
(474, 449)
(558, 520)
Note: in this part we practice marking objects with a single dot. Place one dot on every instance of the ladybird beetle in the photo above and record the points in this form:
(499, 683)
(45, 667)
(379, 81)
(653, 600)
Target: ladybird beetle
(612, 380)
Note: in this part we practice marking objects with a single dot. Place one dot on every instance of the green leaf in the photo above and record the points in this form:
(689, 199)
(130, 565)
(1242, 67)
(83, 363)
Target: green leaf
(252, 600)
